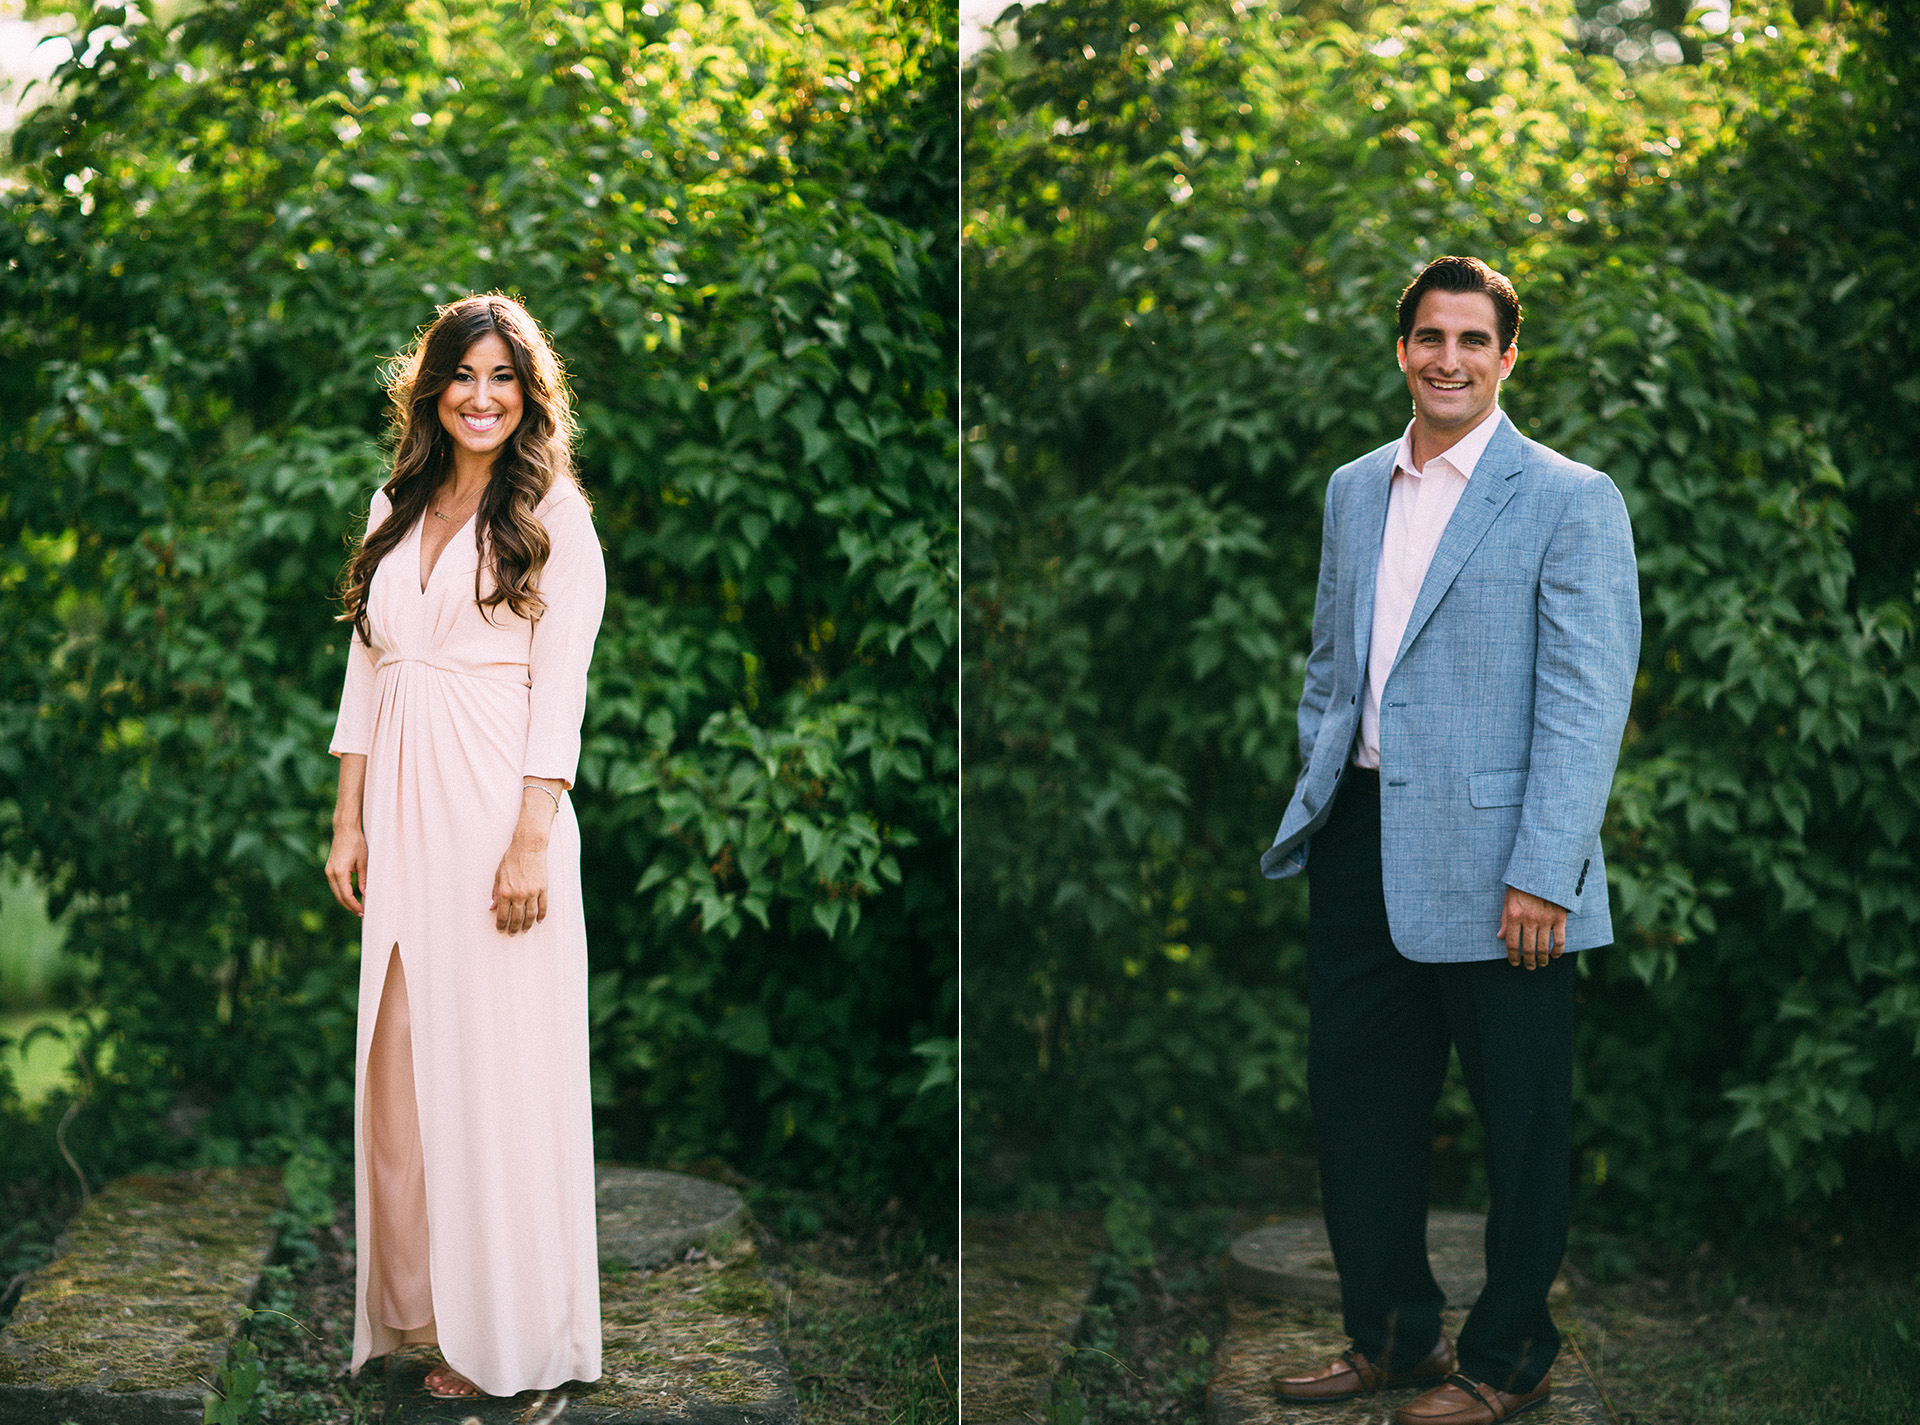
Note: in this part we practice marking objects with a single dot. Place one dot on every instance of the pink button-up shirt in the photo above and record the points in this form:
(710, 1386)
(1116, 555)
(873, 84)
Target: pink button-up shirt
(1418, 507)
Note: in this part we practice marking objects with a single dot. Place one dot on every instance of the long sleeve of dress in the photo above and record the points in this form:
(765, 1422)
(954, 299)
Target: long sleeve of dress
(573, 584)
(353, 728)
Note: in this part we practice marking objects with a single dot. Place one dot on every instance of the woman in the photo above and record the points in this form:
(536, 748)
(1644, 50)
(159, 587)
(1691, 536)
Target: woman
(474, 599)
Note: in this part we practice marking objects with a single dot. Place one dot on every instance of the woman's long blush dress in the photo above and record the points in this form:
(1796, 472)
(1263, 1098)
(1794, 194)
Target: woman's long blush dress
(453, 707)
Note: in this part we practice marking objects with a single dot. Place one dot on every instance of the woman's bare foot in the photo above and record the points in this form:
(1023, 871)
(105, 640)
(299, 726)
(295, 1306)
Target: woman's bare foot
(445, 1383)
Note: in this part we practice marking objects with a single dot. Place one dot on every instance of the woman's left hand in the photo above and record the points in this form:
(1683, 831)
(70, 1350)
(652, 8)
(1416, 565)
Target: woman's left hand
(520, 887)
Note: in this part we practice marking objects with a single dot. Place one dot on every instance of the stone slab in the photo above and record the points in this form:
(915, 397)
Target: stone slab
(1291, 1261)
(1265, 1339)
(690, 1342)
(1024, 1282)
(129, 1321)
(648, 1218)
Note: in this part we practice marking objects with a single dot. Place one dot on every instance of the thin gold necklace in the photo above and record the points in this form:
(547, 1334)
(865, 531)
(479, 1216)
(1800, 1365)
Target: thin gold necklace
(449, 518)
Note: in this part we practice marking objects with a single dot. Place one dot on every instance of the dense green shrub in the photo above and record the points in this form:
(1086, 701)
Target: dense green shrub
(1186, 224)
(735, 220)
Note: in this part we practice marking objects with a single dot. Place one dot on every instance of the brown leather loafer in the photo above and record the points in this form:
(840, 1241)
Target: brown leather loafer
(1468, 1402)
(1353, 1374)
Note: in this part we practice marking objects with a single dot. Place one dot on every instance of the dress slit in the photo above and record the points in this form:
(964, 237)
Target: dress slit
(401, 1277)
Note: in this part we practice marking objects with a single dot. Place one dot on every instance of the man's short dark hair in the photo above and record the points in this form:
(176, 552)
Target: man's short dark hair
(1462, 274)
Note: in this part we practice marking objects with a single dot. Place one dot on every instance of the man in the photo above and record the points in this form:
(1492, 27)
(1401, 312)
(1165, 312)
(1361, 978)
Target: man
(1475, 635)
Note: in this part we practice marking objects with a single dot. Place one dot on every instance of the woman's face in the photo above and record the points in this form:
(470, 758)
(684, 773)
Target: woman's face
(482, 405)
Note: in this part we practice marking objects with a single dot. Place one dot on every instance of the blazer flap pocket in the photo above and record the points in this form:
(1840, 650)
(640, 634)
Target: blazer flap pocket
(1498, 789)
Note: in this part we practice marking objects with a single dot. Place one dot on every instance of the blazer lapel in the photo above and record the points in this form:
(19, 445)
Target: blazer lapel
(1487, 493)
(1363, 546)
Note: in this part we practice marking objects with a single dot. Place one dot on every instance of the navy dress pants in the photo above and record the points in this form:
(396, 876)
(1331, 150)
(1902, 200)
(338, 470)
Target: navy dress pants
(1379, 1027)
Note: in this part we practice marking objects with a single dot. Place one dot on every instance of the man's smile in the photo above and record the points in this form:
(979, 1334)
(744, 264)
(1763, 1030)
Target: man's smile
(1454, 366)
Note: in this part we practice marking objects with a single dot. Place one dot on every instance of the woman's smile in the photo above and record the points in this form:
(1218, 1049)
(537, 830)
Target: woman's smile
(481, 406)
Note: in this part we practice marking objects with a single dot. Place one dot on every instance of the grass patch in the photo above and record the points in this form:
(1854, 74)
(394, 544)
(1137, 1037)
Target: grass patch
(1146, 1342)
(46, 1064)
(865, 1310)
(1805, 1337)
(304, 1332)
(34, 966)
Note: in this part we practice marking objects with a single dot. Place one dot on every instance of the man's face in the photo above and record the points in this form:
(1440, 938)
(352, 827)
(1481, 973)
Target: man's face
(1453, 360)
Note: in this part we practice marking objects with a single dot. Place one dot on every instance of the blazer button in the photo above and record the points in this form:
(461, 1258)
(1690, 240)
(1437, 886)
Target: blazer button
(1353, 699)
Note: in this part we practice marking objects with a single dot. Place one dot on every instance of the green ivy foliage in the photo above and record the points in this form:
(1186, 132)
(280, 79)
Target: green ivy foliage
(1186, 224)
(735, 220)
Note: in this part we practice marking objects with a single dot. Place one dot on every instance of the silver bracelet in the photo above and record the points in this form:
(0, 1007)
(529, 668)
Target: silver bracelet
(536, 787)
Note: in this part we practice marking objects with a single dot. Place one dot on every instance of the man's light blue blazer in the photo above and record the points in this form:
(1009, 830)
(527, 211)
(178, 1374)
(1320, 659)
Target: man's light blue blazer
(1500, 722)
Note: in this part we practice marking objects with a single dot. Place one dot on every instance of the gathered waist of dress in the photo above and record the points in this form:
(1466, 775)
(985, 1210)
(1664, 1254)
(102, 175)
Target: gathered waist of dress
(389, 660)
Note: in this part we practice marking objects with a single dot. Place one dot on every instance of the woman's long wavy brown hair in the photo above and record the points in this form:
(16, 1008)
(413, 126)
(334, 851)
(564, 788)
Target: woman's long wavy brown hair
(538, 453)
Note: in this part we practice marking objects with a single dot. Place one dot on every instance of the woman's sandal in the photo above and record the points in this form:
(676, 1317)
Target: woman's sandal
(452, 1385)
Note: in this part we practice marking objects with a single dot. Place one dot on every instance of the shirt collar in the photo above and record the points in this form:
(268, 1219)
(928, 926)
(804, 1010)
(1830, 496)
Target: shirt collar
(1463, 455)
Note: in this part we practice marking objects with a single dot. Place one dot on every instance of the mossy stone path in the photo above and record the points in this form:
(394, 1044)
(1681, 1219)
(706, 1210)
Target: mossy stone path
(691, 1343)
(686, 1330)
(1025, 1279)
(129, 1322)
(1283, 1318)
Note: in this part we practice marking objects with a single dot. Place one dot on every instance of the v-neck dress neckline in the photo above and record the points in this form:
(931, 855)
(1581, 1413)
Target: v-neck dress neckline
(420, 544)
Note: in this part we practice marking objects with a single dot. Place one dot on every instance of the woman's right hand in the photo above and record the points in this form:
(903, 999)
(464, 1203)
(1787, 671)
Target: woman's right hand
(347, 860)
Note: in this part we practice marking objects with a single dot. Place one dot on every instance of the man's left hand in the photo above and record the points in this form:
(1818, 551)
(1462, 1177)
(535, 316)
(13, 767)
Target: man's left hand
(1535, 930)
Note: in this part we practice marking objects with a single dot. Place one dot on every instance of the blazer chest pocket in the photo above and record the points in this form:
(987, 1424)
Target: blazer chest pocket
(1498, 789)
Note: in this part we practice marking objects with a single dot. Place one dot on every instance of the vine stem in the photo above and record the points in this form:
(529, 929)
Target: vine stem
(60, 1133)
